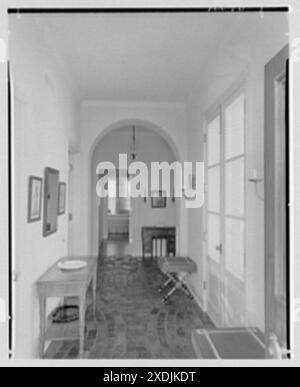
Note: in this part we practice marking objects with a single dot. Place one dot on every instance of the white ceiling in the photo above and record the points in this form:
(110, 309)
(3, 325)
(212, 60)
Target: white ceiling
(153, 57)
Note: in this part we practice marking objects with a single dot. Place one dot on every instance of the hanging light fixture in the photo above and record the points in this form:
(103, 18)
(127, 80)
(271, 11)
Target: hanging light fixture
(133, 149)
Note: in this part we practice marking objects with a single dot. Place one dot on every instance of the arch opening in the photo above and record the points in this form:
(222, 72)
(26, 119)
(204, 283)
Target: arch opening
(153, 144)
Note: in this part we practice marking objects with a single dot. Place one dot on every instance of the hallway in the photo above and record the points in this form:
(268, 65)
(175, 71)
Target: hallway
(106, 144)
(116, 246)
(132, 322)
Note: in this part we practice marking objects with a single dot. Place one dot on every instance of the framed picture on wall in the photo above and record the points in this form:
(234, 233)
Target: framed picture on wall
(158, 199)
(50, 223)
(35, 199)
(62, 189)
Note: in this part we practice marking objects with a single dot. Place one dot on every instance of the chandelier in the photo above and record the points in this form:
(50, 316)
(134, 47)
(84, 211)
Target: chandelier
(133, 148)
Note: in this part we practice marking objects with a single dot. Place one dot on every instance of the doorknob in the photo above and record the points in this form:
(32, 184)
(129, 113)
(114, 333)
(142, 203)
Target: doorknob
(219, 248)
(15, 276)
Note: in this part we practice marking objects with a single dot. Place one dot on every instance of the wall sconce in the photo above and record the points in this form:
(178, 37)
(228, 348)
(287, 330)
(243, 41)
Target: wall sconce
(191, 186)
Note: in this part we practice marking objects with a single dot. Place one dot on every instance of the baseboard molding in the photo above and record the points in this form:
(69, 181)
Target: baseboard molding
(195, 295)
(216, 324)
(200, 303)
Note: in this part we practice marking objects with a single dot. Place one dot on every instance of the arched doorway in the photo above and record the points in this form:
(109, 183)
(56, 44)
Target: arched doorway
(152, 144)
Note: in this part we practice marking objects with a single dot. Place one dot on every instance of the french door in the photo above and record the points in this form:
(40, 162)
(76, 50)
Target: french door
(225, 213)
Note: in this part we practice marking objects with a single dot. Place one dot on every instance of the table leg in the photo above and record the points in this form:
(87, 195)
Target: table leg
(82, 300)
(94, 294)
(42, 325)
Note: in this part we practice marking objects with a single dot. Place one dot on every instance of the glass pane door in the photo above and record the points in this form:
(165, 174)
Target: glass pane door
(214, 219)
(234, 214)
(235, 187)
(225, 214)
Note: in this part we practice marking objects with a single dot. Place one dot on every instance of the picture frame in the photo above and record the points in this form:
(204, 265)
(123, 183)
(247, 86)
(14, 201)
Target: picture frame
(35, 187)
(62, 191)
(158, 199)
(50, 220)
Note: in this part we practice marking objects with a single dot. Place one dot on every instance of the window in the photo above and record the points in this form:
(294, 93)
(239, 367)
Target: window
(118, 204)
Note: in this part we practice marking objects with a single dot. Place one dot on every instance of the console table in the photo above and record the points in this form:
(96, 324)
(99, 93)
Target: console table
(152, 234)
(58, 283)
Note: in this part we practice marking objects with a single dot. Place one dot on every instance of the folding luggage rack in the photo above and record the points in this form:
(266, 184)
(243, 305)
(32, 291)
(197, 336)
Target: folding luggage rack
(177, 269)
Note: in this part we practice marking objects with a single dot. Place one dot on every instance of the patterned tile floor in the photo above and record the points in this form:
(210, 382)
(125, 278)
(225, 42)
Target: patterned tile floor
(131, 321)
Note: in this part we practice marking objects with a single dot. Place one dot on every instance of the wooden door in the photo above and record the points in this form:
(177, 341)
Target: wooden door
(276, 206)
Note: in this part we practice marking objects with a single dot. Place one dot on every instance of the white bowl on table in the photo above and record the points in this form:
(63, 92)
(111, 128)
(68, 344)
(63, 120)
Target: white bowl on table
(72, 264)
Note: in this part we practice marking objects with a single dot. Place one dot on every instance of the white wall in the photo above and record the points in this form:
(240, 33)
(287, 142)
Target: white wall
(242, 58)
(96, 118)
(45, 125)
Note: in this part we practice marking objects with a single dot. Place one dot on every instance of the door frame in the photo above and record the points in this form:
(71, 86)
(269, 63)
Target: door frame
(70, 201)
(6, 240)
(273, 69)
(74, 160)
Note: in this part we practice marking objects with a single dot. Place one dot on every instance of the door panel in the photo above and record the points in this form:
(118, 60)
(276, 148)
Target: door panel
(276, 206)
(234, 128)
(214, 237)
(234, 217)
(214, 189)
(213, 136)
(225, 217)
(234, 242)
(235, 187)
(214, 216)
(215, 291)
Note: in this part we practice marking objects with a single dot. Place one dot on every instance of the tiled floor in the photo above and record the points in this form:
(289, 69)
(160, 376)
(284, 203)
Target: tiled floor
(131, 321)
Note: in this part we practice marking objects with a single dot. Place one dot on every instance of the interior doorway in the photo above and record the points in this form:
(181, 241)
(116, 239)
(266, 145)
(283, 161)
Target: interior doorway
(119, 208)
(124, 217)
